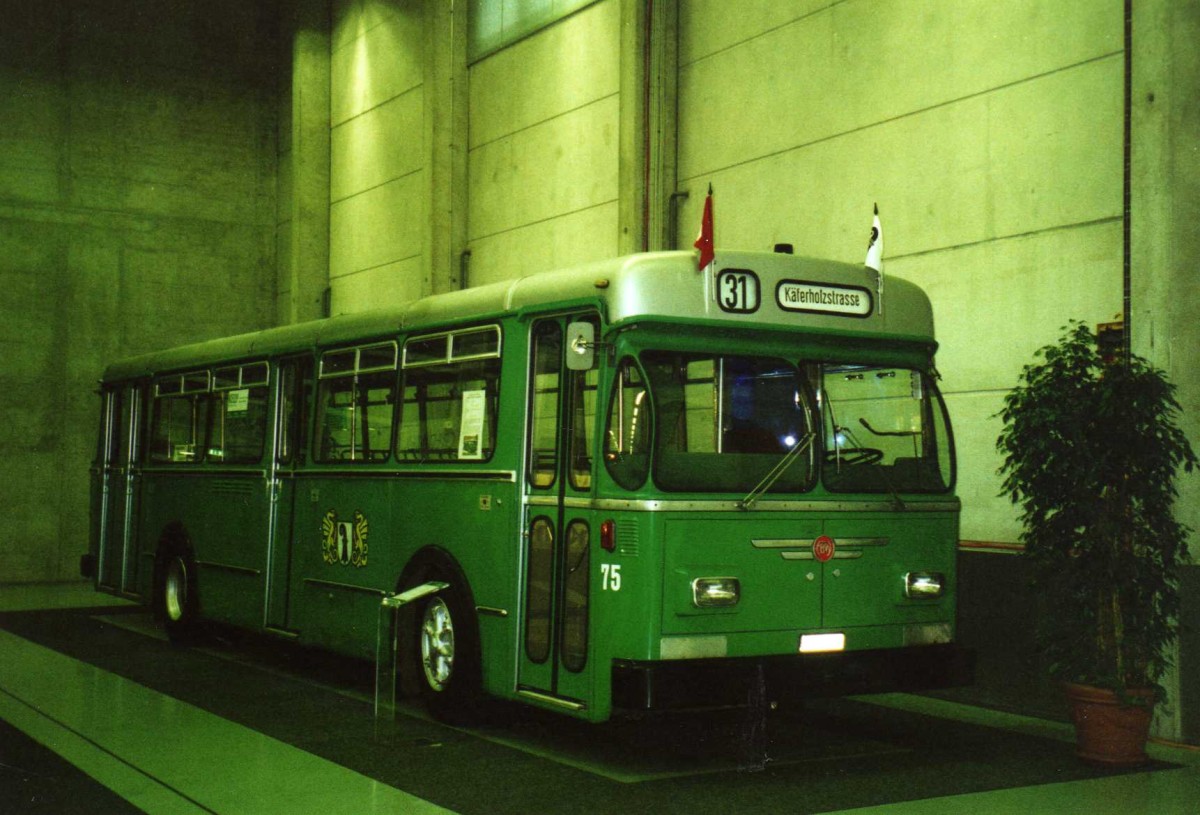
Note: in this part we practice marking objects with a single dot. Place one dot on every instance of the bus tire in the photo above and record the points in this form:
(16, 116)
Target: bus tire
(176, 601)
(445, 650)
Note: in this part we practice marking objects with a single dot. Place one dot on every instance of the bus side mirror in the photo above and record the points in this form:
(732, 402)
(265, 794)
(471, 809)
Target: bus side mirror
(581, 347)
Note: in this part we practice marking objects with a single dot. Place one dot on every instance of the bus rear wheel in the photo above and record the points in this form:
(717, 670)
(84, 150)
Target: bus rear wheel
(177, 598)
(447, 655)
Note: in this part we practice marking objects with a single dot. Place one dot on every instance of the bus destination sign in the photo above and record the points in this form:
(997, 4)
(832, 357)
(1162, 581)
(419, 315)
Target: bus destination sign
(822, 298)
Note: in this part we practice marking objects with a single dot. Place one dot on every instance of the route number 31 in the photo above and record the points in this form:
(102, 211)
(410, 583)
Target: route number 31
(610, 577)
(737, 291)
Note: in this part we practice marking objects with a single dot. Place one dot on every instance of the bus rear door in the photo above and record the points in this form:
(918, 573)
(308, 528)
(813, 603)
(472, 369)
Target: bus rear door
(554, 667)
(293, 390)
(118, 557)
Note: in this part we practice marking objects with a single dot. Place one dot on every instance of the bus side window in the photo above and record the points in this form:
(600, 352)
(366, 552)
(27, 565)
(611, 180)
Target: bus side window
(583, 420)
(449, 411)
(543, 412)
(356, 400)
(295, 389)
(177, 427)
(141, 433)
(354, 417)
(237, 425)
(109, 446)
(237, 413)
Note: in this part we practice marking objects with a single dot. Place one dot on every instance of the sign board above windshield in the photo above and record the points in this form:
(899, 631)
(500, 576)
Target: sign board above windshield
(822, 298)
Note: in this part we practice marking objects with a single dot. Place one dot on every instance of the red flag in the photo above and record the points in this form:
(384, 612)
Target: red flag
(704, 242)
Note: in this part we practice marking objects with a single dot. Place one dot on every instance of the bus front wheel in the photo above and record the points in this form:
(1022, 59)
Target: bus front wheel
(437, 645)
(447, 656)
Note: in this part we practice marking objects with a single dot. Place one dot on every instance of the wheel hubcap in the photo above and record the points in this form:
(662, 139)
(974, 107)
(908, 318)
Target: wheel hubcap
(437, 644)
(175, 590)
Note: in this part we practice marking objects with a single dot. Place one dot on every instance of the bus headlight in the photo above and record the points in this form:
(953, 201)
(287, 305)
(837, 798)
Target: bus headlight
(924, 585)
(715, 592)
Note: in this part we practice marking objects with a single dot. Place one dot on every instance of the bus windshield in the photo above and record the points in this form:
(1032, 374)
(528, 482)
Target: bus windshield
(885, 430)
(723, 422)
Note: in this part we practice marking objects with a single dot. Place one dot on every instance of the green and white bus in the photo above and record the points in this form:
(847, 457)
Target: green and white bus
(643, 485)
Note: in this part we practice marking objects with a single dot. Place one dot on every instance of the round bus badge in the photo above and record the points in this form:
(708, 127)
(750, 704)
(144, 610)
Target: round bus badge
(823, 548)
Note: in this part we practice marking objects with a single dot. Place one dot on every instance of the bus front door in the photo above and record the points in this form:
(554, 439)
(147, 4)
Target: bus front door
(554, 667)
(117, 569)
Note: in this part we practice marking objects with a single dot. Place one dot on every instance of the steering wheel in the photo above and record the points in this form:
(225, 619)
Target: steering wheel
(852, 456)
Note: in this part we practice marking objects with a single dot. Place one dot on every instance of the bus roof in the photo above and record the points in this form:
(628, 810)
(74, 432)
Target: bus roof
(760, 289)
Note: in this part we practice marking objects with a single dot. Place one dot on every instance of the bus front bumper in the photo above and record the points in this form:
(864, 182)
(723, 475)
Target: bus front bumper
(700, 683)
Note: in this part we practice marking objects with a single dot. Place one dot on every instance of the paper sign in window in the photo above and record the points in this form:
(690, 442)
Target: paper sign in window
(470, 433)
(238, 401)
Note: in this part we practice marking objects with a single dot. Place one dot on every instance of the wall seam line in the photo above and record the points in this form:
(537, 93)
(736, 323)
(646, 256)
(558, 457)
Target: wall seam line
(892, 119)
(547, 219)
(540, 122)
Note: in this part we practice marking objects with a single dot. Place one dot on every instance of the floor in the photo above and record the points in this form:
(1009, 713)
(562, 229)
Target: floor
(77, 735)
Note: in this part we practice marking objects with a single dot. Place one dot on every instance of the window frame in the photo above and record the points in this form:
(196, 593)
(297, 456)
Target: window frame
(246, 376)
(450, 355)
(451, 359)
(487, 35)
(354, 372)
(194, 387)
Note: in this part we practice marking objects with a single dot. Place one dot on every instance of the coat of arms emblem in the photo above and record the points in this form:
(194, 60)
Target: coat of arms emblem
(344, 542)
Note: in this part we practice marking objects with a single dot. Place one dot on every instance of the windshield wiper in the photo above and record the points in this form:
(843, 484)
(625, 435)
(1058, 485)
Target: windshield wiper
(906, 433)
(776, 472)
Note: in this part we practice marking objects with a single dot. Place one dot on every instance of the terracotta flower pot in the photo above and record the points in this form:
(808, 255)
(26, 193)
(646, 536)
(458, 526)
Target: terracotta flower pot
(1108, 732)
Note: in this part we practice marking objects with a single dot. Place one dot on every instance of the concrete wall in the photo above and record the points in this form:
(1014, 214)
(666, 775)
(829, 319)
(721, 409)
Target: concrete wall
(378, 155)
(137, 199)
(513, 159)
(544, 126)
(988, 133)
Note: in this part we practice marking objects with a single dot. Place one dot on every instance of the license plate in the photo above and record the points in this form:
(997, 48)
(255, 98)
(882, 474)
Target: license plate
(821, 643)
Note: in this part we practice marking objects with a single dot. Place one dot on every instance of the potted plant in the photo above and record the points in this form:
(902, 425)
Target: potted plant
(1091, 448)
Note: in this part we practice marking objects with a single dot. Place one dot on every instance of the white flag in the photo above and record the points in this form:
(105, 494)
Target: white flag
(875, 246)
(875, 257)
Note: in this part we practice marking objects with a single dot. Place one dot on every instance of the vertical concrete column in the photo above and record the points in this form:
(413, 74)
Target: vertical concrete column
(1165, 245)
(663, 117)
(308, 243)
(446, 111)
(632, 143)
(648, 80)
